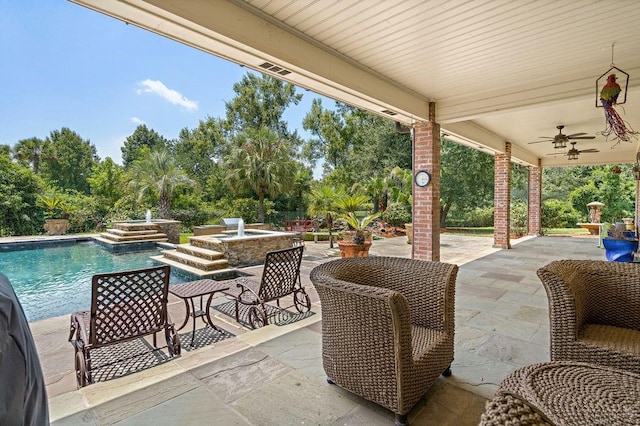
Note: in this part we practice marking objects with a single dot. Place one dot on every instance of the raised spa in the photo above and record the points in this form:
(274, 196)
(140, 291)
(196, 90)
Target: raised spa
(249, 249)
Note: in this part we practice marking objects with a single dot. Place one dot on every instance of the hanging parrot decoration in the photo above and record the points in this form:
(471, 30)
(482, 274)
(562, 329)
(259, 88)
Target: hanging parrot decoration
(615, 124)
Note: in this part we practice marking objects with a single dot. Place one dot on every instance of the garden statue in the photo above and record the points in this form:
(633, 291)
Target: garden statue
(595, 211)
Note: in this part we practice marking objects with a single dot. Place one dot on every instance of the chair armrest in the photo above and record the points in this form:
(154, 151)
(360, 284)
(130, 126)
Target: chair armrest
(80, 329)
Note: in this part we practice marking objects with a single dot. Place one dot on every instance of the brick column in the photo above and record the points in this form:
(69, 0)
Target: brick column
(534, 223)
(502, 198)
(426, 200)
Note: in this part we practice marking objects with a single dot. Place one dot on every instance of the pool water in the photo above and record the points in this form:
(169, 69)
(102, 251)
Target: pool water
(56, 280)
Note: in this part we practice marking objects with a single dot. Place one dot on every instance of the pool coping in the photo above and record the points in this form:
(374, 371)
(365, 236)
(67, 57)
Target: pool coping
(41, 241)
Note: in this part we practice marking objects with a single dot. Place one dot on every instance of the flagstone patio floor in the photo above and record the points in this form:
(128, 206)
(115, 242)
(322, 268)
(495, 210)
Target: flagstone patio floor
(274, 375)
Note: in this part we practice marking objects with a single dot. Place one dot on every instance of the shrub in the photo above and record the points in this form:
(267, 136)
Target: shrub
(519, 218)
(559, 214)
(397, 214)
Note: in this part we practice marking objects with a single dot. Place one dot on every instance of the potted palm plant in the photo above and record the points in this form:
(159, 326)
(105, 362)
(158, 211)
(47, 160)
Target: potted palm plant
(56, 214)
(358, 245)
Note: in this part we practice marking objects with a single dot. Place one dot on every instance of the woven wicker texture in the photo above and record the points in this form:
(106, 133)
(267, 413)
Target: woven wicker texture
(125, 306)
(594, 312)
(572, 393)
(387, 326)
(511, 410)
(280, 277)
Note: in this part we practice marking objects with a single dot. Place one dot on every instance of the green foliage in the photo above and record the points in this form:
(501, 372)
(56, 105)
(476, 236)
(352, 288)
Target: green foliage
(19, 189)
(397, 214)
(260, 163)
(351, 203)
(141, 137)
(68, 160)
(518, 218)
(246, 208)
(359, 225)
(559, 214)
(28, 152)
(158, 175)
(107, 183)
(466, 179)
(260, 102)
(54, 204)
(85, 214)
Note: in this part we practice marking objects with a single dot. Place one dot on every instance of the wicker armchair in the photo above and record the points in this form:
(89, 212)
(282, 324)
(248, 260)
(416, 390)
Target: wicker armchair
(387, 327)
(124, 306)
(594, 310)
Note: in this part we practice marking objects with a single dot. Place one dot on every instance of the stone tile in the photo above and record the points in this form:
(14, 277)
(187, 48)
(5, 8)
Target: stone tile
(480, 291)
(197, 406)
(301, 350)
(197, 358)
(295, 399)
(506, 326)
(232, 377)
(513, 351)
(515, 297)
(83, 418)
(478, 374)
(485, 305)
(503, 277)
(65, 405)
(439, 410)
(534, 315)
(129, 403)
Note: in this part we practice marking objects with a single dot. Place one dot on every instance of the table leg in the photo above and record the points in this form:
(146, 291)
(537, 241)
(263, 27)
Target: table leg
(186, 317)
(193, 310)
(208, 314)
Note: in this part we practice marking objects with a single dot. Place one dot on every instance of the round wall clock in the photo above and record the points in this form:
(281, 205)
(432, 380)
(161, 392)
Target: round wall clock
(422, 178)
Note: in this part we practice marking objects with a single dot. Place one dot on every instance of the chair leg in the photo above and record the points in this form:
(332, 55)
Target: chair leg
(401, 420)
(237, 312)
(331, 382)
(447, 371)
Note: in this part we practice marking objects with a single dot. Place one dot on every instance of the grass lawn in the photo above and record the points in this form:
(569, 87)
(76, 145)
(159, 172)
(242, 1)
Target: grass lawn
(565, 231)
(184, 237)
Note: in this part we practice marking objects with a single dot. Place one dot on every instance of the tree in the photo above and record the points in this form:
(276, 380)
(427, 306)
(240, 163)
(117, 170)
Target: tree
(68, 160)
(107, 182)
(466, 178)
(199, 151)
(19, 187)
(141, 137)
(158, 175)
(323, 203)
(260, 102)
(261, 162)
(29, 152)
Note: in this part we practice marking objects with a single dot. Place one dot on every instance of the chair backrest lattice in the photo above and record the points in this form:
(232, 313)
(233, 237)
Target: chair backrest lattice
(281, 273)
(126, 305)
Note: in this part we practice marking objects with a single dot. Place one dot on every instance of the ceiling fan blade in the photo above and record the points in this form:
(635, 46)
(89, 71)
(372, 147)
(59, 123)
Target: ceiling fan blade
(550, 140)
(558, 153)
(576, 134)
(547, 137)
(590, 150)
(582, 137)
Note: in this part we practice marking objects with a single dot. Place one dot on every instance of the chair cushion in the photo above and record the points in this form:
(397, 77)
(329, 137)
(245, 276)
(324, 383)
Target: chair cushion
(618, 339)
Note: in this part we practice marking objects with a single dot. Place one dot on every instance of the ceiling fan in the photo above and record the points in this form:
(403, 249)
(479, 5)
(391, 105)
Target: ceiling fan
(573, 153)
(560, 140)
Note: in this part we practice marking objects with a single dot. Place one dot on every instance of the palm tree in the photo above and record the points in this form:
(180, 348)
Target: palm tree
(29, 152)
(323, 202)
(261, 162)
(157, 173)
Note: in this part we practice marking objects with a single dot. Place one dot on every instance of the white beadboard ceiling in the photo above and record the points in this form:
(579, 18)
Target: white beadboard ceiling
(497, 70)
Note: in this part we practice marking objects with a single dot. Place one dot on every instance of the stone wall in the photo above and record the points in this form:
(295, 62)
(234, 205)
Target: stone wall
(249, 250)
(171, 228)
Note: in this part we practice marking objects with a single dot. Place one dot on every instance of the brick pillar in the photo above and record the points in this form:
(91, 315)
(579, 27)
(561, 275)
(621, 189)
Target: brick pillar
(502, 198)
(426, 200)
(534, 223)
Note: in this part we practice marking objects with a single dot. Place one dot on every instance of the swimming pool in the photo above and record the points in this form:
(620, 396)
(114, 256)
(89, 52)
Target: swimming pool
(56, 280)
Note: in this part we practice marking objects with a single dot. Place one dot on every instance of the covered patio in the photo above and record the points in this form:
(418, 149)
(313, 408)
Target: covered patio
(274, 375)
(493, 75)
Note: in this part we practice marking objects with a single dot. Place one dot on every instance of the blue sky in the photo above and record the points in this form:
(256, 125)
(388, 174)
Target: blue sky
(66, 66)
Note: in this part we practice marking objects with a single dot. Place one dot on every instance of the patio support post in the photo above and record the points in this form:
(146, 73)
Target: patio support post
(502, 198)
(534, 213)
(426, 200)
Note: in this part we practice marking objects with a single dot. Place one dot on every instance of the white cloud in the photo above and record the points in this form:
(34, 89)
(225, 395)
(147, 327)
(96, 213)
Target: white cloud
(136, 120)
(170, 95)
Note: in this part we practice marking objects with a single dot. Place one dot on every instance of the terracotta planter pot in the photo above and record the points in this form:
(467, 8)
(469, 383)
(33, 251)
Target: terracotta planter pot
(351, 249)
(56, 226)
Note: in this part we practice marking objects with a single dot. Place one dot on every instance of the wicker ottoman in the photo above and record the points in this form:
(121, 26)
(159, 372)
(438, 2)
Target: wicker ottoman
(566, 393)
